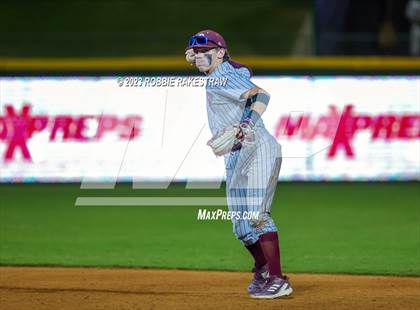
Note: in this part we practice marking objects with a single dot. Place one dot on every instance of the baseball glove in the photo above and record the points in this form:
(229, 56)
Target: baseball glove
(229, 139)
(226, 141)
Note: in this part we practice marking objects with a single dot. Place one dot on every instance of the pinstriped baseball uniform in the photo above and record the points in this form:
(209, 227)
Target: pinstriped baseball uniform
(251, 172)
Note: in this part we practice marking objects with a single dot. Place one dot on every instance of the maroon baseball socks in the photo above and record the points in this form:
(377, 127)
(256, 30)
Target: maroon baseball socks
(269, 243)
(257, 253)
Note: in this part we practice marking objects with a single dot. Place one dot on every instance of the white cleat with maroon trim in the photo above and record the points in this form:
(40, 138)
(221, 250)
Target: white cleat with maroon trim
(275, 287)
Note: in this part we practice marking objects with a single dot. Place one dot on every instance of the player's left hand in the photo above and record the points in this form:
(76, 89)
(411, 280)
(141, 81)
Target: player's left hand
(246, 131)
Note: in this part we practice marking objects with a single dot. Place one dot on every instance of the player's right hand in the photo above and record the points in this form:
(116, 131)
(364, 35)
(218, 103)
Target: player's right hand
(190, 56)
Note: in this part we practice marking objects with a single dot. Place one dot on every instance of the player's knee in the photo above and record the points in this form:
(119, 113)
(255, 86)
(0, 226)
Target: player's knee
(262, 223)
(246, 236)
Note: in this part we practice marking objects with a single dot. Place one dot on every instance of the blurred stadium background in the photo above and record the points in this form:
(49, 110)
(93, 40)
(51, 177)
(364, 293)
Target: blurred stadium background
(353, 211)
(265, 27)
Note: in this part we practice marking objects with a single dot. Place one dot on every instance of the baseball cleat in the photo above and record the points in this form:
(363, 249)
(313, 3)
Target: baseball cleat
(275, 287)
(259, 279)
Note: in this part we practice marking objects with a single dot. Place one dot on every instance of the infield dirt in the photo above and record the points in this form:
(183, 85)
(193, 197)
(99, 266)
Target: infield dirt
(92, 288)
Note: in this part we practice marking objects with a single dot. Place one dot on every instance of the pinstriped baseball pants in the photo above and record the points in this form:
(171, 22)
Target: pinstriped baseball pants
(251, 180)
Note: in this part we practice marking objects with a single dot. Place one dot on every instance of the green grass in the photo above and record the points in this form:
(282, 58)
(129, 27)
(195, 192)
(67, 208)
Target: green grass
(362, 228)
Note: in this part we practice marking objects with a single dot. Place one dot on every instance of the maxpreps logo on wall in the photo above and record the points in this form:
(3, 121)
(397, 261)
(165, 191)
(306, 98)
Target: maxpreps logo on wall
(341, 128)
(17, 127)
(348, 128)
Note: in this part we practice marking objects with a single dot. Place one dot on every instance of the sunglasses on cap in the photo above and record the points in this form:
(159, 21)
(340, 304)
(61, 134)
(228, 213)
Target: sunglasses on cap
(197, 41)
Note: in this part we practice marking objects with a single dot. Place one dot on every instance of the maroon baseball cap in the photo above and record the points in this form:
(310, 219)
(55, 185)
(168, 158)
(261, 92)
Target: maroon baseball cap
(207, 38)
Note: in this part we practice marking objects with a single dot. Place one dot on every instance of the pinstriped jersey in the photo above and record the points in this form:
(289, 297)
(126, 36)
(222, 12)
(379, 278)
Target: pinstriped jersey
(224, 105)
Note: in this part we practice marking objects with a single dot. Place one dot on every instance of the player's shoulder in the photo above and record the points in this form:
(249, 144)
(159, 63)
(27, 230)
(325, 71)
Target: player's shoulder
(234, 68)
(241, 68)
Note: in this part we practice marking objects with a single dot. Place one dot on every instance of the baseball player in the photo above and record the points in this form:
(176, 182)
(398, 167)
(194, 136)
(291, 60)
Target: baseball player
(252, 156)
